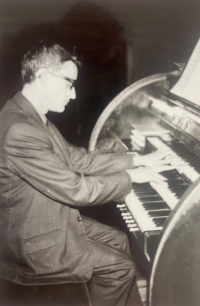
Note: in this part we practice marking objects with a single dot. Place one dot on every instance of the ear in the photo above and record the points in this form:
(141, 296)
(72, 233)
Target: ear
(41, 75)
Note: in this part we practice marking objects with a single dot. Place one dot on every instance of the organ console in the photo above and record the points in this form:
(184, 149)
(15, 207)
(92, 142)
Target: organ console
(155, 214)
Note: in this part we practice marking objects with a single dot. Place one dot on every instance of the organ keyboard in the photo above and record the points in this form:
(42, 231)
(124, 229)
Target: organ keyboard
(171, 123)
(151, 204)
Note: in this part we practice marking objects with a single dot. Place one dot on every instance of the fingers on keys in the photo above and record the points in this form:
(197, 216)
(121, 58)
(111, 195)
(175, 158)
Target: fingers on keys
(157, 178)
(162, 168)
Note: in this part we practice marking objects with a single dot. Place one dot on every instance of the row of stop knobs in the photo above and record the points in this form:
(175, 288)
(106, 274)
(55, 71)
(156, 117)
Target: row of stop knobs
(128, 218)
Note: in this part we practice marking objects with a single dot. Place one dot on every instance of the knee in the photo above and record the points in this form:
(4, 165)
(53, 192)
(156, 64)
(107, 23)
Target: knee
(131, 269)
(123, 242)
(128, 270)
(121, 235)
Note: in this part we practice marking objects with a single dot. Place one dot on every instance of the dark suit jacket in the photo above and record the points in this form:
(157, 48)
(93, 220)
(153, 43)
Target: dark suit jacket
(43, 181)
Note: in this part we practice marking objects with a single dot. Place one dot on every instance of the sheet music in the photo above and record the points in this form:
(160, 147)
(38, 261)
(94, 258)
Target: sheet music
(188, 86)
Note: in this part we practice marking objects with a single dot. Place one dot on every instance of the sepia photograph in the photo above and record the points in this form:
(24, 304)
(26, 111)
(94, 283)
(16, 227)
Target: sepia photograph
(99, 152)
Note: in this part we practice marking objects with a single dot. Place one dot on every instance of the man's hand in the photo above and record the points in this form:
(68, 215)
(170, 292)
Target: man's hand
(162, 168)
(145, 175)
(158, 158)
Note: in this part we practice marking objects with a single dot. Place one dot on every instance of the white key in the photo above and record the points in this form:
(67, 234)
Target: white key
(140, 215)
(165, 194)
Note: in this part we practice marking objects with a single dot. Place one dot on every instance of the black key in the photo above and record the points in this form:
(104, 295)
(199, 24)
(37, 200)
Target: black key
(148, 198)
(158, 213)
(149, 206)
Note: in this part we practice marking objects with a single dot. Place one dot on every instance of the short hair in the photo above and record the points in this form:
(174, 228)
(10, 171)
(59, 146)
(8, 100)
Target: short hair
(44, 54)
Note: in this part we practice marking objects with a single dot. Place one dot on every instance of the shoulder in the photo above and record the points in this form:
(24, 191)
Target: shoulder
(23, 137)
(11, 115)
(15, 122)
(12, 112)
(25, 130)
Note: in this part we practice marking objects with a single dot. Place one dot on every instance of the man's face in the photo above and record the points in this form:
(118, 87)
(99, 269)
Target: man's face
(58, 86)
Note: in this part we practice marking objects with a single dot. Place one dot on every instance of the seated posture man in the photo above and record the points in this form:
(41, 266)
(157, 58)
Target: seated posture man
(43, 182)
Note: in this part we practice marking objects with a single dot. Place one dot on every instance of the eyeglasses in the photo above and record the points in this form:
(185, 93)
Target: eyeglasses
(64, 78)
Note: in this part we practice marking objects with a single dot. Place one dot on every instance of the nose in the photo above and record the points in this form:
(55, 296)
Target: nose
(73, 93)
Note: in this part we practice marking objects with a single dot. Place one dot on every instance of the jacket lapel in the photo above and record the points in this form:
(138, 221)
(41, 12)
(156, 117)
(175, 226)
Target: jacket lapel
(59, 140)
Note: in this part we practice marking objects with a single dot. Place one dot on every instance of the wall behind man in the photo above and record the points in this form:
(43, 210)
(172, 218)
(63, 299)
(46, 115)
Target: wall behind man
(118, 42)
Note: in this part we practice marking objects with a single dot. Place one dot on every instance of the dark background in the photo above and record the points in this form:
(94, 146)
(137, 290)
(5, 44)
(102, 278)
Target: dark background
(117, 42)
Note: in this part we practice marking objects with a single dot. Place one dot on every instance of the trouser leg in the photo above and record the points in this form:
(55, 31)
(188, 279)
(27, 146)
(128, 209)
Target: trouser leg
(113, 269)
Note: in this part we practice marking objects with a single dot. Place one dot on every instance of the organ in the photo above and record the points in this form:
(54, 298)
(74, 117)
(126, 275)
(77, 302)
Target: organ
(159, 218)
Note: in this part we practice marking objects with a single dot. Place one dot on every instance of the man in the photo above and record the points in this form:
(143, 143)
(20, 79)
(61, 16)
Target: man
(43, 182)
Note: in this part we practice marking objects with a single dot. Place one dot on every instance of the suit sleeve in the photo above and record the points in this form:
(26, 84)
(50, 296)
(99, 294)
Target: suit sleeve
(96, 163)
(29, 155)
